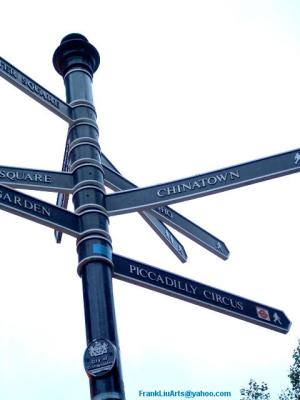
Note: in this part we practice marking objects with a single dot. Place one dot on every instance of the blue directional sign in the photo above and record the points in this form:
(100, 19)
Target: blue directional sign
(35, 91)
(197, 293)
(171, 217)
(62, 202)
(36, 179)
(204, 184)
(38, 211)
(162, 231)
(63, 198)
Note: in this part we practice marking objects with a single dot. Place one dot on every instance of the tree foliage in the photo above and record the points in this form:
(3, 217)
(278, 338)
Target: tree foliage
(261, 392)
(255, 391)
(287, 394)
(293, 393)
(294, 374)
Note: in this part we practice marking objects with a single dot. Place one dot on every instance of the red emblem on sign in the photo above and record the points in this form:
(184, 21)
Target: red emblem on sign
(263, 313)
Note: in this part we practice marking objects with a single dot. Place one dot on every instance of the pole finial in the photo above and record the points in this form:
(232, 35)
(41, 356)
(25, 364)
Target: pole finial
(75, 51)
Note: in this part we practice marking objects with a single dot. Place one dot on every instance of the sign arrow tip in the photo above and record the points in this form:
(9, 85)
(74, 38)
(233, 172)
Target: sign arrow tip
(222, 250)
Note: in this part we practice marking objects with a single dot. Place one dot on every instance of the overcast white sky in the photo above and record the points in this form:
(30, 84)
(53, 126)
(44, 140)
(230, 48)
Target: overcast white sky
(184, 87)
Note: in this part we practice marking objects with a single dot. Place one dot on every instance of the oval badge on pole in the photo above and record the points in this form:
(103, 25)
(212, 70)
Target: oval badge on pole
(99, 357)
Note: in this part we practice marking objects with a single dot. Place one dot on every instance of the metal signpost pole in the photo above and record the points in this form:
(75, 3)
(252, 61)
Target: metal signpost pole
(76, 60)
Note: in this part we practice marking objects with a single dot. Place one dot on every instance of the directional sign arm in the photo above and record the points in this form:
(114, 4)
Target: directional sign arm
(107, 163)
(197, 293)
(204, 184)
(194, 232)
(63, 198)
(38, 211)
(166, 236)
(62, 202)
(36, 179)
(35, 91)
(159, 228)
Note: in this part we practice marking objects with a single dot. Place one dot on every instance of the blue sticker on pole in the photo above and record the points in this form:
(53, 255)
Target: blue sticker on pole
(103, 250)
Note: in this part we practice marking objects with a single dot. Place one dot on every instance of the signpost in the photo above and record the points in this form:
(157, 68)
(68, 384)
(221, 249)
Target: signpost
(162, 231)
(177, 286)
(85, 173)
(77, 60)
(204, 184)
(171, 217)
(114, 180)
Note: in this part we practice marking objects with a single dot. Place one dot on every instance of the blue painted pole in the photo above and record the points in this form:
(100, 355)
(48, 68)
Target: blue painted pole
(77, 60)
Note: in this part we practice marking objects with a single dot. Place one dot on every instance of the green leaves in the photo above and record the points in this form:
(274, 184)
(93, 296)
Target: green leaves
(255, 391)
(261, 392)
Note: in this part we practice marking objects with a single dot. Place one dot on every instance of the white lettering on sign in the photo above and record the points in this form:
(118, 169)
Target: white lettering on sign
(186, 286)
(31, 85)
(39, 91)
(165, 280)
(220, 298)
(9, 70)
(25, 204)
(165, 211)
(172, 240)
(15, 175)
(198, 183)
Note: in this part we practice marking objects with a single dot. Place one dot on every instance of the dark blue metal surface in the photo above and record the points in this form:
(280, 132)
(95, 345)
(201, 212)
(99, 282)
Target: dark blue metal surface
(36, 179)
(177, 286)
(171, 217)
(38, 211)
(35, 90)
(76, 60)
(204, 184)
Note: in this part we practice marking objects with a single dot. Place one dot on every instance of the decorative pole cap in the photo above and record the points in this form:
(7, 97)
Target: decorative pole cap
(75, 51)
